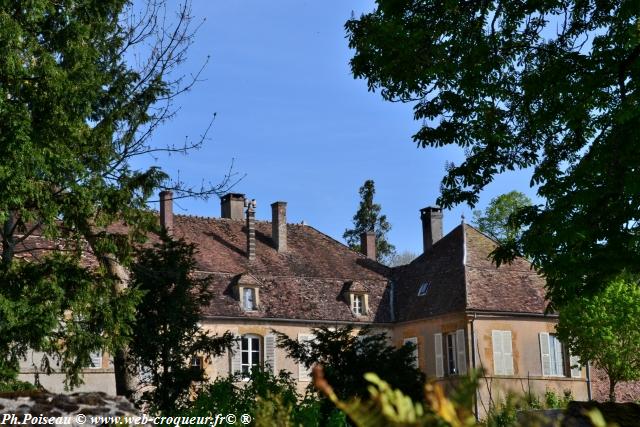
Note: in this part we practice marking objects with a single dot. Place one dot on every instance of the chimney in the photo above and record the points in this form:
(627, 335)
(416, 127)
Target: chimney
(368, 244)
(232, 206)
(431, 226)
(166, 211)
(251, 228)
(279, 225)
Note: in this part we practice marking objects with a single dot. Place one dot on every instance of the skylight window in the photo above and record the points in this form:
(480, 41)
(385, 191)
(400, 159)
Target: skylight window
(423, 289)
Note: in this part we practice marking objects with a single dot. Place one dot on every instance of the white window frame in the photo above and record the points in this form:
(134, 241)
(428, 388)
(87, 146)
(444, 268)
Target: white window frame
(358, 304)
(245, 368)
(552, 356)
(424, 288)
(197, 362)
(95, 360)
(249, 291)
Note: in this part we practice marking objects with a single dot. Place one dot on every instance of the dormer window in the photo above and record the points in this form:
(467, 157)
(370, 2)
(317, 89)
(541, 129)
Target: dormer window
(357, 296)
(422, 291)
(247, 292)
(249, 299)
(358, 305)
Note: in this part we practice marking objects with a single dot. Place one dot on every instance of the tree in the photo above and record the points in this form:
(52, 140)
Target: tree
(74, 112)
(368, 218)
(496, 220)
(347, 356)
(167, 334)
(547, 87)
(402, 258)
(603, 328)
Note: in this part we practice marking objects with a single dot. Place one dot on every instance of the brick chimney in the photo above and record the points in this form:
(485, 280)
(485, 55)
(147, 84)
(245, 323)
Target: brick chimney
(279, 225)
(232, 206)
(251, 229)
(368, 244)
(166, 211)
(431, 226)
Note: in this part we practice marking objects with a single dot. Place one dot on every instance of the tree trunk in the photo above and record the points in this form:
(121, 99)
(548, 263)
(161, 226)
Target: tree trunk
(612, 390)
(126, 381)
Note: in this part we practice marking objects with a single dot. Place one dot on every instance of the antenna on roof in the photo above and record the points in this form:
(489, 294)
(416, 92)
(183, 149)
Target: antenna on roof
(462, 218)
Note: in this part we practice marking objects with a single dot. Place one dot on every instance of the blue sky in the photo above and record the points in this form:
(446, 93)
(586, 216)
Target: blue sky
(299, 126)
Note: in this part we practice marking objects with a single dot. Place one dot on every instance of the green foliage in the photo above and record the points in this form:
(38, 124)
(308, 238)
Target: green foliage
(167, 333)
(73, 115)
(496, 220)
(269, 399)
(16, 386)
(62, 309)
(346, 357)
(602, 329)
(546, 87)
(368, 218)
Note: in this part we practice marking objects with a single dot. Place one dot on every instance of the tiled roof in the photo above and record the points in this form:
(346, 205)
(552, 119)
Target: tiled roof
(306, 282)
(460, 275)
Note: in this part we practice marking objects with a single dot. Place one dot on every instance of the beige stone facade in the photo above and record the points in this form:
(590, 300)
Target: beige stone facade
(462, 311)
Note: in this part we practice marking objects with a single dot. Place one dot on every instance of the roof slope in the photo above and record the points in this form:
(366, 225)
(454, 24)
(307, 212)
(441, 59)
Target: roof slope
(307, 282)
(461, 276)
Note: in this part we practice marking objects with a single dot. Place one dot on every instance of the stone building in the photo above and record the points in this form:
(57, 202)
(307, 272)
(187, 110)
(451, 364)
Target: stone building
(460, 310)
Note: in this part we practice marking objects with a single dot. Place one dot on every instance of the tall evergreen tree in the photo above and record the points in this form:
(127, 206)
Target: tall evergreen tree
(167, 334)
(369, 218)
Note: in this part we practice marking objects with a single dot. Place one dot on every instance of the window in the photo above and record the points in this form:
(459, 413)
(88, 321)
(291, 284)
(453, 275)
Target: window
(197, 362)
(358, 305)
(250, 353)
(249, 299)
(502, 352)
(451, 353)
(423, 289)
(552, 356)
(414, 341)
(452, 369)
(96, 359)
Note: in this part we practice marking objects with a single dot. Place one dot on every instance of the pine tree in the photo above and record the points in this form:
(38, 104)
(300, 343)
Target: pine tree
(369, 218)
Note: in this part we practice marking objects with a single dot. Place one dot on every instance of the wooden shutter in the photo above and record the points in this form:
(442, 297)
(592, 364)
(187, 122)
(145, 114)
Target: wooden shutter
(270, 353)
(496, 343)
(507, 353)
(574, 365)
(414, 341)
(462, 353)
(304, 373)
(235, 356)
(545, 354)
(439, 360)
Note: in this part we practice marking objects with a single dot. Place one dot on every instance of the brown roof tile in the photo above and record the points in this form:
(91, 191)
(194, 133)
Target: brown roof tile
(461, 275)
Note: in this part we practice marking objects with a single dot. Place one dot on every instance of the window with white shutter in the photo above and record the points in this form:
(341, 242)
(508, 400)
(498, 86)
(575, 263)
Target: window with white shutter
(461, 346)
(438, 350)
(552, 356)
(270, 353)
(304, 373)
(414, 341)
(235, 356)
(501, 342)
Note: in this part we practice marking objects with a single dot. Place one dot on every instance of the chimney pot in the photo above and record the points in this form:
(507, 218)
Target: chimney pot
(232, 206)
(368, 244)
(166, 211)
(431, 226)
(279, 225)
(251, 229)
